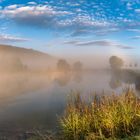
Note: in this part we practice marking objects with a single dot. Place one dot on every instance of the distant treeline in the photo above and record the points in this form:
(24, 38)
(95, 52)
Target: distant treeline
(63, 65)
(11, 64)
(117, 63)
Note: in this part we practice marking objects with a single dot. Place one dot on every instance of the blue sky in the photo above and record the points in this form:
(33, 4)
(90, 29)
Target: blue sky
(72, 27)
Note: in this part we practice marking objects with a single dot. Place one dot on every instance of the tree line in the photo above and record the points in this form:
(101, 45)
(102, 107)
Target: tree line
(11, 64)
(117, 63)
(63, 65)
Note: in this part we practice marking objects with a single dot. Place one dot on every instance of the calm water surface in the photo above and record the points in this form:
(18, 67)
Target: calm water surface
(37, 100)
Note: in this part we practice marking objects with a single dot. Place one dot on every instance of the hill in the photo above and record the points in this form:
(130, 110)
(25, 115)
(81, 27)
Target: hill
(10, 56)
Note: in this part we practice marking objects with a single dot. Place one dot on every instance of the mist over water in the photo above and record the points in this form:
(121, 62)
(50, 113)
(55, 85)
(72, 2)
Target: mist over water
(32, 98)
(35, 87)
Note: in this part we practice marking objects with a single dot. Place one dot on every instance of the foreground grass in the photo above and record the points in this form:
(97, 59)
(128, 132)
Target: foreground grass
(115, 117)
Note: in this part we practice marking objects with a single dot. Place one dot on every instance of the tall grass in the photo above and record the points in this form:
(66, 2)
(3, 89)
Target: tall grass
(105, 117)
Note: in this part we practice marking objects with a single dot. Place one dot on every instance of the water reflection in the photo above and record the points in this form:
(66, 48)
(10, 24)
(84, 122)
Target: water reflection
(115, 82)
(64, 78)
(137, 83)
(126, 77)
(30, 100)
(77, 77)
(13, 85)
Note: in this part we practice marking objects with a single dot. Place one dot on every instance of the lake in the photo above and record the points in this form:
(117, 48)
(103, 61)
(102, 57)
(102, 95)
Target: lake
(30, 101)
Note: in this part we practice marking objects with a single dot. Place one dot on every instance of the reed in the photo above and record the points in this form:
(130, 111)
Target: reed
(111, 117)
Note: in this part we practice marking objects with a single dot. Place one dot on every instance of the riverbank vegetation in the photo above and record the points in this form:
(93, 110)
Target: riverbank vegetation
(105, 117)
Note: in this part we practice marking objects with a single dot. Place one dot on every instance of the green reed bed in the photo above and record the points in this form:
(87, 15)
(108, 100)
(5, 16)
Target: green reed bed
(105, 117)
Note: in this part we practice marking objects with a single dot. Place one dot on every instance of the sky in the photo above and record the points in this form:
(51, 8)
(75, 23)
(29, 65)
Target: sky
(72, 27)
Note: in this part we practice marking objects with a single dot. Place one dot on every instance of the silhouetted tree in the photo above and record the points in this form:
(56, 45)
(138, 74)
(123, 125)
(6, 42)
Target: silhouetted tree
(12, 64)
(17, 65)
(78, 66)
(62, 65)
(136, 65)
(116, 62)
(130, 65)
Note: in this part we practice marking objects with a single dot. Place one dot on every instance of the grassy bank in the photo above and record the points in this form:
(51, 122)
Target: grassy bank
(105, 117)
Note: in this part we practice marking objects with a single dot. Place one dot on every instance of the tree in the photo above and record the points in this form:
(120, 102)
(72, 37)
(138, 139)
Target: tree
(77, 66)
(17, 64)
(136, 65)
(116, 62)
(12, 64)
(130, 65)
(62, 65)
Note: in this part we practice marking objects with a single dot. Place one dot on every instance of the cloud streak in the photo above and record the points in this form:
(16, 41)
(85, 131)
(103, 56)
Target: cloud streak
(106, 43)
(8, 38)
(135, 37)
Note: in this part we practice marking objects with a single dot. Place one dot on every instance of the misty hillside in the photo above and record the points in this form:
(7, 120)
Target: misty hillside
(11, 56)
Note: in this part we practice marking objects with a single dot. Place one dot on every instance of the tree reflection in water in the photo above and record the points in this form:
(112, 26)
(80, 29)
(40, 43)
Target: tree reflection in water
(126, 77)
(66, 77)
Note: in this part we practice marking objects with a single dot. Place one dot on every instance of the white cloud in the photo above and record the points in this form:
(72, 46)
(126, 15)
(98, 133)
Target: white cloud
(107, 43)
(8, 38)
(137, 10)
(16, 11)
(51, 17)
(134, 30)
(61, 17)
(129, 6)
(11, 7)
(135, 37)
(32, 3)
(38, 15)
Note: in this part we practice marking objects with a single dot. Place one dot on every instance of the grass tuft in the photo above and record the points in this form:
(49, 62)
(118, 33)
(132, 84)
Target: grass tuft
(105, 117)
